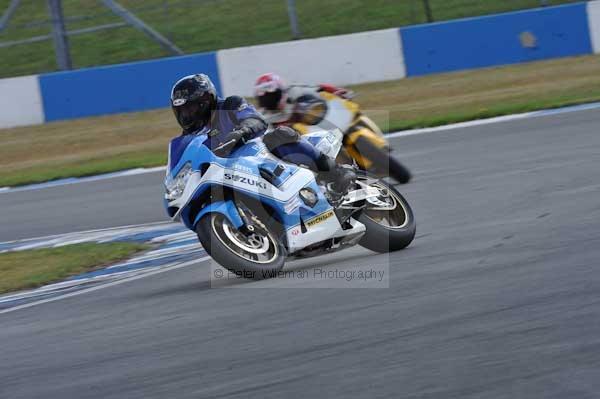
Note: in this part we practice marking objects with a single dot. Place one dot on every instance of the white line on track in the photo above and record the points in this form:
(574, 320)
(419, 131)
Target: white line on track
(406, 133)
(104, 230)
(107, 285)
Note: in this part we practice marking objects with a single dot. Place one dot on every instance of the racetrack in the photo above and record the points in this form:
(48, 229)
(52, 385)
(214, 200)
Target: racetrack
(64, 209)
(498, 296)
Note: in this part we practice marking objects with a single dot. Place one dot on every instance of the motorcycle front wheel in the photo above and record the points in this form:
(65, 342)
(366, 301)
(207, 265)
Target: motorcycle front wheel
(254, 256)
(389, 219)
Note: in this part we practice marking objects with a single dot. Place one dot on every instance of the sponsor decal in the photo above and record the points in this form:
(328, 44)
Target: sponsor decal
(242, 168)
(528, 40)
(179, 101)
(245, 180)
(296, 231)
(292, 205)
(321, 218)
(243, 106)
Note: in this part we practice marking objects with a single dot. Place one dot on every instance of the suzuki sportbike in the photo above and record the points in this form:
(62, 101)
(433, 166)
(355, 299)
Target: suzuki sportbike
(252, 211)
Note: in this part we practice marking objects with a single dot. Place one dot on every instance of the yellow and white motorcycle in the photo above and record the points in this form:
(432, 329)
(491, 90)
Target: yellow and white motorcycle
(363, 142)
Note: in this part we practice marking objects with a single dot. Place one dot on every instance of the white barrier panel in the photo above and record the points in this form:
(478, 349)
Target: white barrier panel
(593, 10)
(20, 102)
(343, 60)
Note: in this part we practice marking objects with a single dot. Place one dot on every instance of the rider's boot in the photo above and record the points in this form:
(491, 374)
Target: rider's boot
(338, 178)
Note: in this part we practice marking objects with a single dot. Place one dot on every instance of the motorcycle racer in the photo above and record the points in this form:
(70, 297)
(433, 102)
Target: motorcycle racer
(279, 103)
(232, 122)
(326, 106)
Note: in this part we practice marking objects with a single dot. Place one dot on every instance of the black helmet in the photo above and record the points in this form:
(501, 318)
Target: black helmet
(193, 100)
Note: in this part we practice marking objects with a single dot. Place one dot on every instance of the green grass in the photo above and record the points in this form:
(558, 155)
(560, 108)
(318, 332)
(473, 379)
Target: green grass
(206, 25)
(494, 111)
(33, 268)
(89, 168)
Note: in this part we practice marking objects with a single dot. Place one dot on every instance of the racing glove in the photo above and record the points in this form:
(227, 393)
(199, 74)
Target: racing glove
(338, 91)
(231, 141)
(247, 130)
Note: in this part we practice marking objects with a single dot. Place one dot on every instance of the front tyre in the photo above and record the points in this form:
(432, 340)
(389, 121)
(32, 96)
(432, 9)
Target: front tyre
(255, 256)
(388, 218)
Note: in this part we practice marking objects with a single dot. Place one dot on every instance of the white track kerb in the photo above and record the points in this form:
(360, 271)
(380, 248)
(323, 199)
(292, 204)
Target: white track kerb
(173, 247)
(107, 285)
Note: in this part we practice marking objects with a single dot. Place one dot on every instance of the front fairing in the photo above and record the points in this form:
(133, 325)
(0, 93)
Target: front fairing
(249, 158)
(251, 171)
(187, 148)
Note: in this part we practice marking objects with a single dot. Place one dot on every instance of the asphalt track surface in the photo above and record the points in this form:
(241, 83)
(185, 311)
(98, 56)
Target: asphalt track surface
(498, 297)
(85, 206)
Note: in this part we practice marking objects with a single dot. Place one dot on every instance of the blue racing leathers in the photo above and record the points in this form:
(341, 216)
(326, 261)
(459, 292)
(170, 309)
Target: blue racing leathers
(234, 114)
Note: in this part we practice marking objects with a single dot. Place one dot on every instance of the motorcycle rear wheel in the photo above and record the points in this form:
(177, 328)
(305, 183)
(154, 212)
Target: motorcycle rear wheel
(391, 227)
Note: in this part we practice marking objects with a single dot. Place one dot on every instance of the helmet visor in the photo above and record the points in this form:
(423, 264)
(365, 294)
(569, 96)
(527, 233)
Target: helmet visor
(270, 100)
(193, 115)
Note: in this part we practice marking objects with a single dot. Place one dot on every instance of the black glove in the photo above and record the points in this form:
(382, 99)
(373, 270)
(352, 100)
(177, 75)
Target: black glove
(230, 142)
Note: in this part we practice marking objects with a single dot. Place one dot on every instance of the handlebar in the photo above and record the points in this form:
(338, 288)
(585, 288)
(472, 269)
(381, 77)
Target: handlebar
(224, 148)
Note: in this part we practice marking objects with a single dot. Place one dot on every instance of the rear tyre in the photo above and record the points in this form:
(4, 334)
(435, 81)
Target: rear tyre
(389, 221)
(397, 170)
(256, 256)
(383, 160)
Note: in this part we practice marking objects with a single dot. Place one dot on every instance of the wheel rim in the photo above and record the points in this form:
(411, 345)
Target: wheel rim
(256, 247)
(388, 209)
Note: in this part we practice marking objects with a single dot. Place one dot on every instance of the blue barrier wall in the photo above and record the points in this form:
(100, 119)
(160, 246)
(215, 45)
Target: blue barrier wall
(119, 88)
(496, 40)
(510, 38)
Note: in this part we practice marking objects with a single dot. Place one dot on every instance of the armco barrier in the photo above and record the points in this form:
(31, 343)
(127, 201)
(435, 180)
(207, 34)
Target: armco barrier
(496, 40)
(348, 59)
(120, 88)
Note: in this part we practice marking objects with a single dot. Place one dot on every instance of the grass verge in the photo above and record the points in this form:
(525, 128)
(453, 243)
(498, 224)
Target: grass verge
(33, 268)
(493, 111)
(116, 142)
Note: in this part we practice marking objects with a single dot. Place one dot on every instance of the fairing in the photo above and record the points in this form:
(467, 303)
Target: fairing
(251, 171)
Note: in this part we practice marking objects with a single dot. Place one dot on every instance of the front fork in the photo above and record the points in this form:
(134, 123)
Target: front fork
(251, 223)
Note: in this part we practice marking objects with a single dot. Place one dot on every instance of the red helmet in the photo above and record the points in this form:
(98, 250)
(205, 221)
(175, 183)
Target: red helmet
(270, 92)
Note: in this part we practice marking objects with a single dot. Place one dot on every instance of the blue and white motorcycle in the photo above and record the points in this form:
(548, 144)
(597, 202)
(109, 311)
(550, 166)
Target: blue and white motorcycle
(252, 211)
